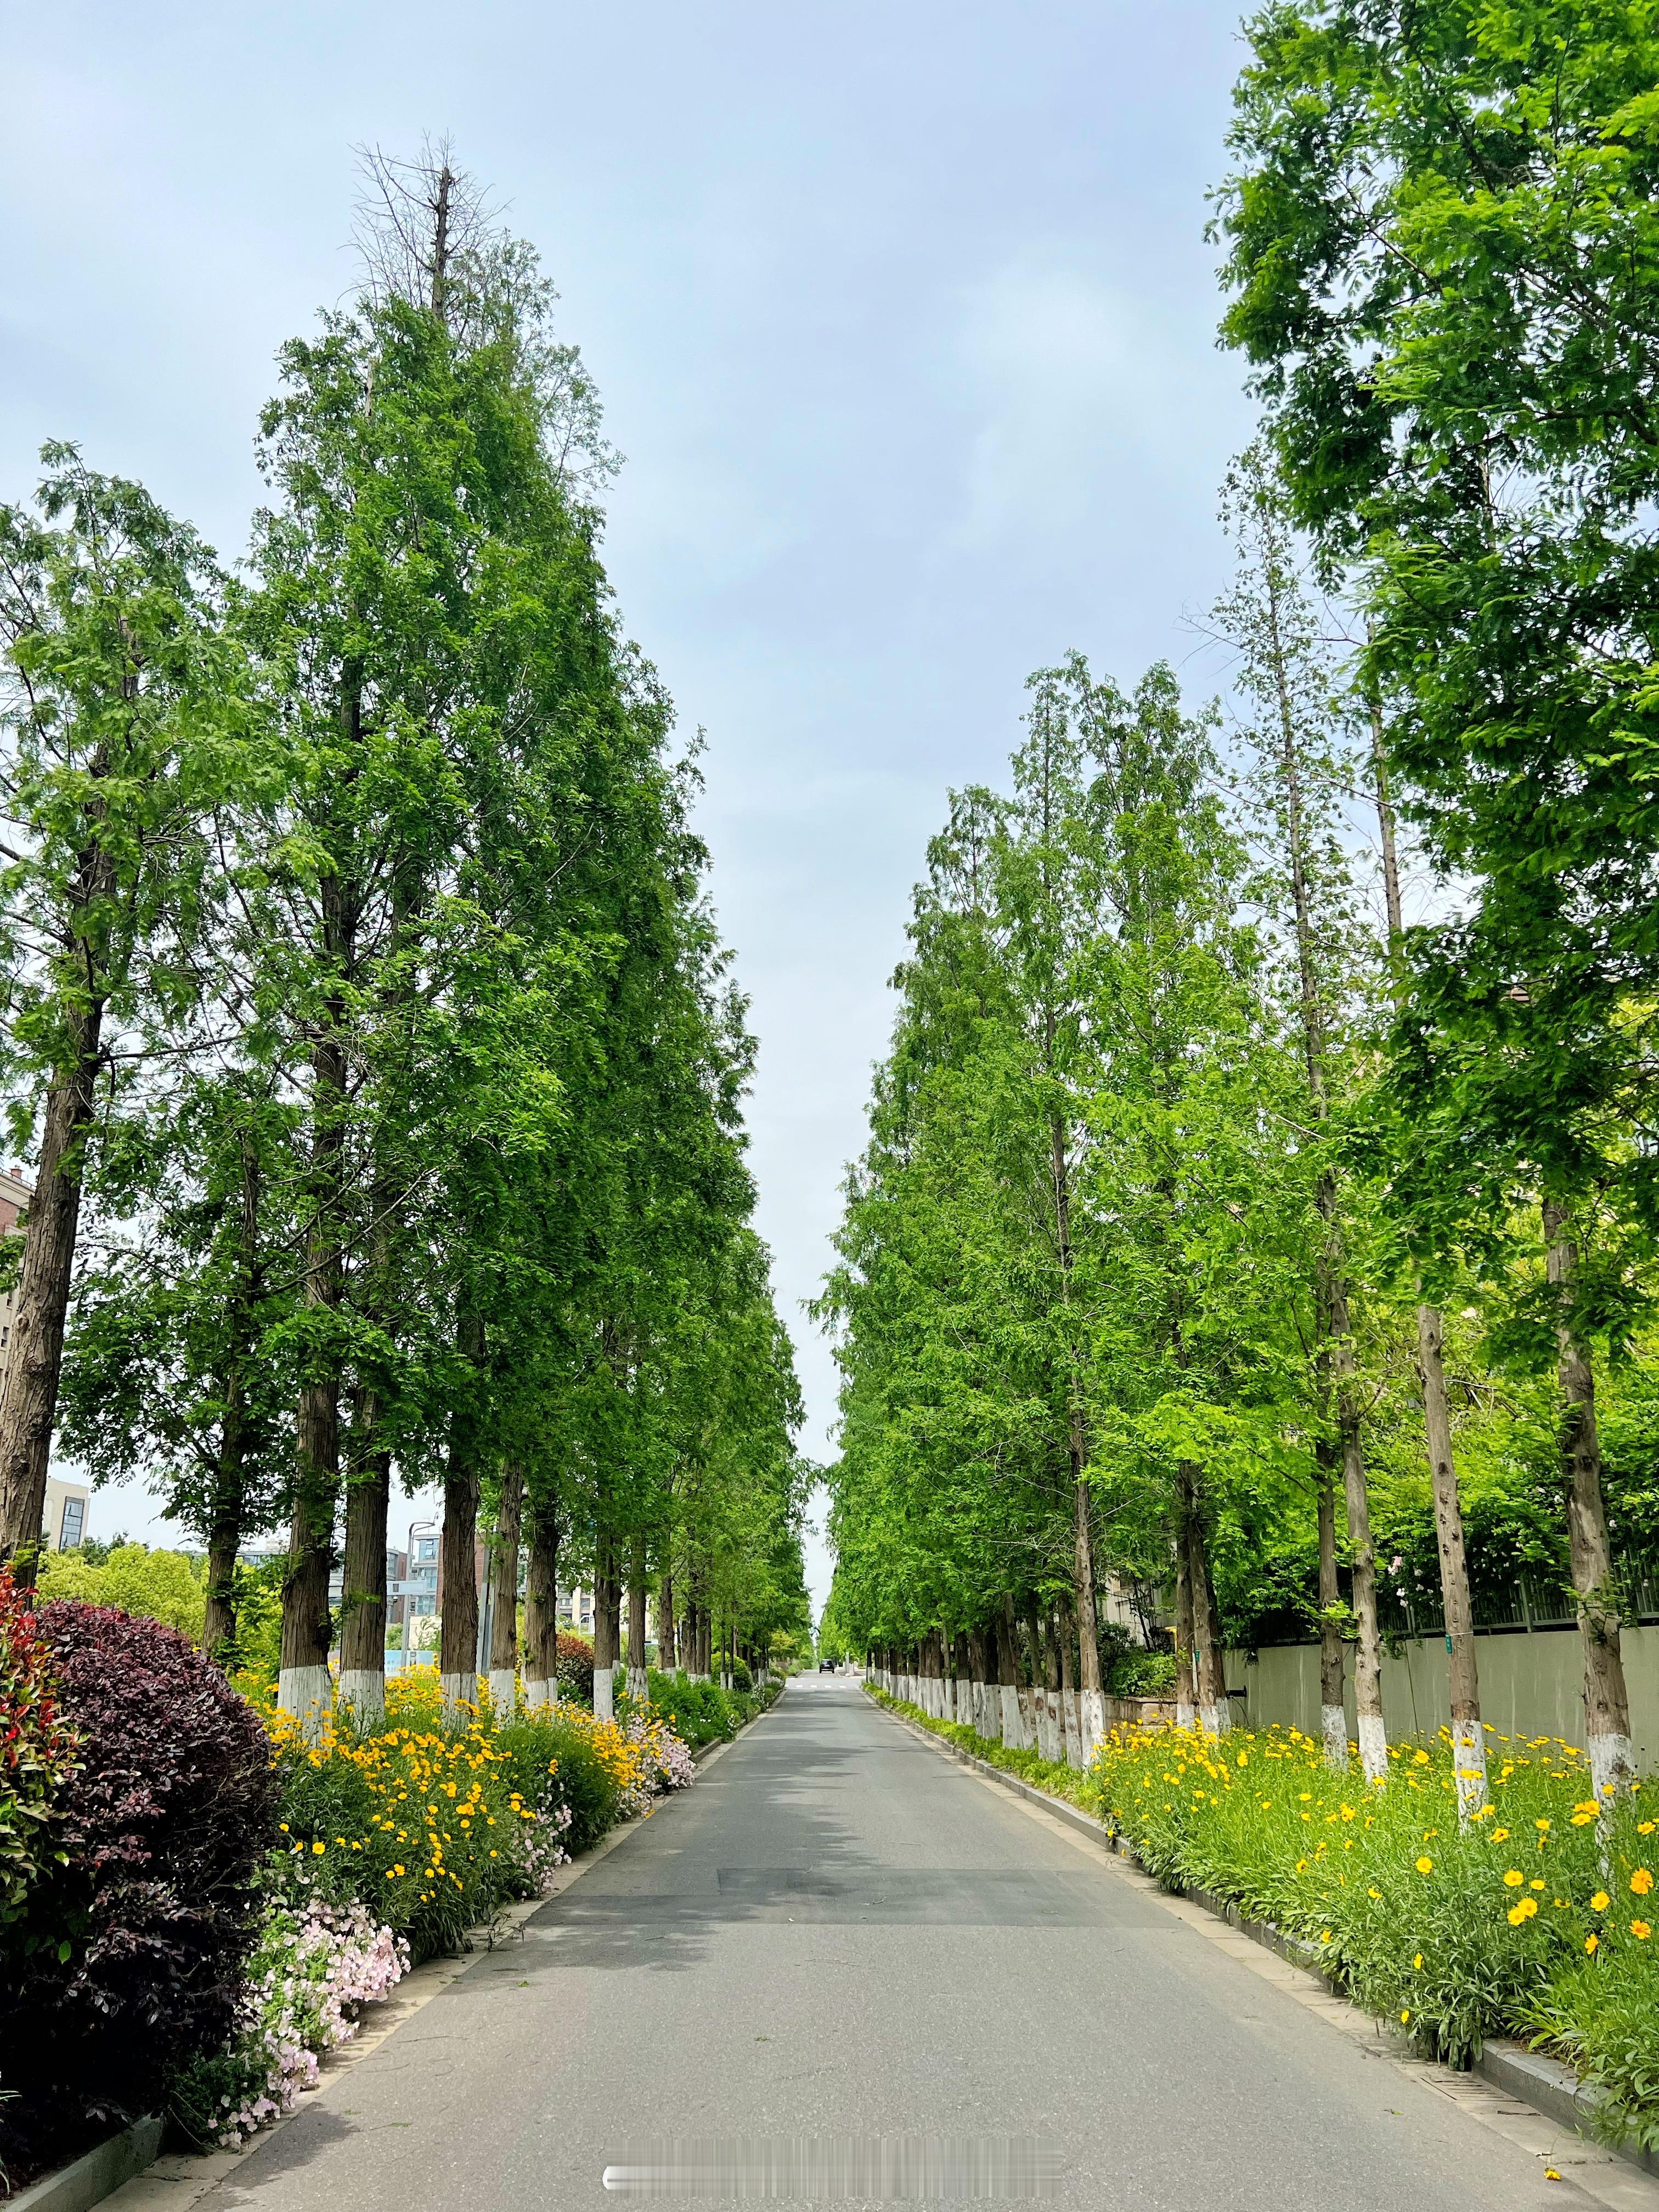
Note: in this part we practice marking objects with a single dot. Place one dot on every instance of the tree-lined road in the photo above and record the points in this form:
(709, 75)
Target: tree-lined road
(840, 1931)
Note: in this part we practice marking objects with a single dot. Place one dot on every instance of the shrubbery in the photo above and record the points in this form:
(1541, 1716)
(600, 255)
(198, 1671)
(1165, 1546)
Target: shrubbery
(37, 1754)
(575, 1668)
(128, 1958)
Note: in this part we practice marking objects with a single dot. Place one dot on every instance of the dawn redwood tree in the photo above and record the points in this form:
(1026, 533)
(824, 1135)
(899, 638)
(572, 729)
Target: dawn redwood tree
(121, 725)
(1301, 765)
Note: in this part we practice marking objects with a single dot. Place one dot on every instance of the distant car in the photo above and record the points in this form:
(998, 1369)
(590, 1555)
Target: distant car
(826, 1666)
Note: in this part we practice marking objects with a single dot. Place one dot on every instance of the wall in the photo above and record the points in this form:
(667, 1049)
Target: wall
(1530, 1685)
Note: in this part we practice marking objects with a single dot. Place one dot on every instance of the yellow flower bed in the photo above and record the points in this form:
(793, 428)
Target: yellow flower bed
(435, 1825)
(1527, 1920)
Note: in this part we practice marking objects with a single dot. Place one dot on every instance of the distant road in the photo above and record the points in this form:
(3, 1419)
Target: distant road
(840, 1932)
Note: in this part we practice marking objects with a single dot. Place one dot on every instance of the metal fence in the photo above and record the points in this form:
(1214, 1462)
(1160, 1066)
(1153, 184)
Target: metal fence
(1530, 1602)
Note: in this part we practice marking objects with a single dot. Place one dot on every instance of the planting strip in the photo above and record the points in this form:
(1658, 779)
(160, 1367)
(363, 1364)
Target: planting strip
(182, 2178)
(1525, 2098)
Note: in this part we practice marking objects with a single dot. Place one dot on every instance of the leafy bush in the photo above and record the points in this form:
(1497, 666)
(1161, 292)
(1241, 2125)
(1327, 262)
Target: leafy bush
(128, 1958)
(156, 1585)
(37, 1752)
(698, 1712)
(1142, 1674)
(741, 1678)
(575, 1668)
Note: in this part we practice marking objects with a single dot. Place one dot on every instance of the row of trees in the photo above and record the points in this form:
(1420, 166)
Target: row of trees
(1214, 1218)
(368, 1027)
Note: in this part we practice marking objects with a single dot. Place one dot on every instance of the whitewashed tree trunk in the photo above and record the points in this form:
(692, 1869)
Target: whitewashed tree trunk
(1092, 1722)
(605, 1694)
(458, 1692)
(503, 1691)
(1333, 1729)
(307, 1692)
(1074, 1731)
(363, 1694)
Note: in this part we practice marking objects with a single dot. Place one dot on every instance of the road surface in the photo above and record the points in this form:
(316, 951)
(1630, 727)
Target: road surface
(840, 1932)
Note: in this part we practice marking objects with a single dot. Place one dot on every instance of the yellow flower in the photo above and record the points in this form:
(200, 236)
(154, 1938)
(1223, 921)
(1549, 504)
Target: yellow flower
(1500, 1835)
(1600, 1901)
(1640, 1931)
(1641, 1881)
(318, 1848)
(1514, 1878)
(1426, 1866)
(1591, 1941)
(1418, 1960)
(1644, 1827)
(1525, 1911)
(1537, 1882)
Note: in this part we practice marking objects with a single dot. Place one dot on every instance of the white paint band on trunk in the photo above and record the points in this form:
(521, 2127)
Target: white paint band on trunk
(535, 1693)
(458, 1692)
(503, 1692)
(1333, 1733)
(362, 1690)
(1612, 1765)
(1373, 1747)
(307, 1692)
(1092, 1722)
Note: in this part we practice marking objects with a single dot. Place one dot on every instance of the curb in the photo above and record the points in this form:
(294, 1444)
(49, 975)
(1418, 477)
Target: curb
(96, 2174)
(1549, 2086)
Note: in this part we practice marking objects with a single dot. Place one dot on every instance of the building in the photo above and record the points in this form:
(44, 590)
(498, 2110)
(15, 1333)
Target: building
(65, 1522)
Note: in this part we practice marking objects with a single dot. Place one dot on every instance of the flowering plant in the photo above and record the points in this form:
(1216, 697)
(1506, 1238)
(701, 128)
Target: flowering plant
(315, 1966)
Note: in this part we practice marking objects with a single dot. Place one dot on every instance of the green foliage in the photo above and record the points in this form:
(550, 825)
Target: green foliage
(164, 1586)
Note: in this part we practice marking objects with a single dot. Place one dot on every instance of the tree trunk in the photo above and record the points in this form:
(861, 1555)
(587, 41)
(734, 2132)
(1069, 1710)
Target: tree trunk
(964, 1674)
(1091, 1695)
(1013, 1728)
(303, 1687)
(636, 1674)
(1468, 1738)
(1210, 1680)
(1074, 1753)
(1186, 1685)
(666, 1648)
(504, 1592)
(541, 1607)
(979, 1667)
(1607, 1707)
(363, 1602)
(457, 1661)
(1362, 1556)
(1332, 1714)
(28, 1394)
(607, 1629)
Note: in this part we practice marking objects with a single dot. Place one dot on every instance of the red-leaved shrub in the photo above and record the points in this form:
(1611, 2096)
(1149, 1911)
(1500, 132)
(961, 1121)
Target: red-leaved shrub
(575, 1668)
(37, 1752)
(128, 1961)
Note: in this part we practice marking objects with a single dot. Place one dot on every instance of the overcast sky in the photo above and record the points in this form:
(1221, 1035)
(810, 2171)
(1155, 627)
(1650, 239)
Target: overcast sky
(904, 320)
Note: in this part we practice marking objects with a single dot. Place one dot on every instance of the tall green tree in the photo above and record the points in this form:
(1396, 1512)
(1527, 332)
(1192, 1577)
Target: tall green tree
(120, 726)
(1441, 235)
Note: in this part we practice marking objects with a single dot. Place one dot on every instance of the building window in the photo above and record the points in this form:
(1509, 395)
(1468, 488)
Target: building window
(74, 1522)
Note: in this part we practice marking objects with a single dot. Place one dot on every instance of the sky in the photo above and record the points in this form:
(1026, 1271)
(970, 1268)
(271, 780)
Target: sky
(903, 317)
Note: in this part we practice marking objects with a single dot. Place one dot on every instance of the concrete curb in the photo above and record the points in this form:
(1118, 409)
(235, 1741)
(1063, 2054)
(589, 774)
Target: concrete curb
(1549, 2086)
(96, 2174)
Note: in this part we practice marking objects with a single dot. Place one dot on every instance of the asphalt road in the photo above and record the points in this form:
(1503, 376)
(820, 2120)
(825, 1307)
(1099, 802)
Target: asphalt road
(838, 1932)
